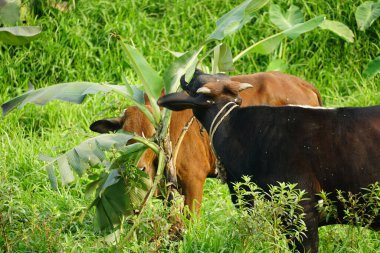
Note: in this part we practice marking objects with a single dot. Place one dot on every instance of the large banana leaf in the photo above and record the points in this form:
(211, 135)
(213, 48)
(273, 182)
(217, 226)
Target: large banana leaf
(151, 80)
(19, 35)
(75, 92)
(121, 198)
(232, 21)
(122, 190)
(87, 154)
(71, 92)
(366, 14)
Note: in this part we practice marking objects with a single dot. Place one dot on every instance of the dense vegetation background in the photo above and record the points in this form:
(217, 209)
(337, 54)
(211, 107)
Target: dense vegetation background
(77, 46)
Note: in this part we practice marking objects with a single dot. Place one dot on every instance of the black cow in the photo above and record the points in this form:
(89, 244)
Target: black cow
(319, 149)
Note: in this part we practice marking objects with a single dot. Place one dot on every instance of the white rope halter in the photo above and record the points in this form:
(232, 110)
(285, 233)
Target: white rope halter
(214, 126)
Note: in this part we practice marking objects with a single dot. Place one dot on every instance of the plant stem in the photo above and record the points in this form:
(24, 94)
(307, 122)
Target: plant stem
(150, 144)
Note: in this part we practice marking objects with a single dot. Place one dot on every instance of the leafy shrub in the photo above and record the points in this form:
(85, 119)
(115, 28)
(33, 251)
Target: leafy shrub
(359, 209)
(274, 217)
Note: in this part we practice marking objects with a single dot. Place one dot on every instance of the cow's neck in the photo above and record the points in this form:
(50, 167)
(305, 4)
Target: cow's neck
(216, 121)
(215, 116)
(231, 137)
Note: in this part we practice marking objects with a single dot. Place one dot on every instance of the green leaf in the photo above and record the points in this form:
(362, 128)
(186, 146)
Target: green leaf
(130, 154)
(339, 29)
(87, 154)
(265, 46)
(277, 65)
(178, 68)
(366, 14)
(373, 68)
(299, 29)
(268, 45)
(9, 12)
(112, 178)
(136, 96)
(222, 59)
(65, 171)
(232, 21)
(109, 212)
(119, 193)
(74, 92)
(19, 35)
(150, 78)
(292, 17)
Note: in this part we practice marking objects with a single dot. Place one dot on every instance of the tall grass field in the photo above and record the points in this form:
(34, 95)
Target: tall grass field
(76, 45)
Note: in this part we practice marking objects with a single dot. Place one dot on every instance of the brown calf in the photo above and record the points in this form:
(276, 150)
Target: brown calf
(270, 88)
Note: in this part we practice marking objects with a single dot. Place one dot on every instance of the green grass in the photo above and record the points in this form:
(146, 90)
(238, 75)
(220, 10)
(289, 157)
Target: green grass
(77, 46)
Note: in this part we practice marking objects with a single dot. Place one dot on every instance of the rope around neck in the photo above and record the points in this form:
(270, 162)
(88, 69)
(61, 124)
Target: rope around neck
(214, 127)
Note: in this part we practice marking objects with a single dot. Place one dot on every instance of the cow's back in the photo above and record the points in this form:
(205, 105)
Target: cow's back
(277, 89)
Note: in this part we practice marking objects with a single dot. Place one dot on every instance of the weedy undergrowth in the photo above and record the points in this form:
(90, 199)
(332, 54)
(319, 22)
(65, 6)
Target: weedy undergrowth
(275, 215)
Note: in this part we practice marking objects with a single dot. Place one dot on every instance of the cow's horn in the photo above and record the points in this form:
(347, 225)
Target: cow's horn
(244, 86)
(203, 90)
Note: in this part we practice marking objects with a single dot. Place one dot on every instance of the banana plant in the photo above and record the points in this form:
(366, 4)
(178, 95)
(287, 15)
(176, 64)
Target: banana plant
(122, 188)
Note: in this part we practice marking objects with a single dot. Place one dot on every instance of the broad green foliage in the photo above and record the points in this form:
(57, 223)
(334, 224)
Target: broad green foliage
(301, 28)
(71, 92)
(19, 35)
(87, 154)
(222, 59)
(9, 16)
(292, 17)
(151, 80)
(366, 14)
(186, 63)
(339, 29)
(232, 21)
(373, 68)
(118, 195)
(268, 45)
(9, 12)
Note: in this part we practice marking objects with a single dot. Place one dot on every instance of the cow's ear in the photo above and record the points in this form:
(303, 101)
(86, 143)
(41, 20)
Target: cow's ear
(107, 125)
(146, 99)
